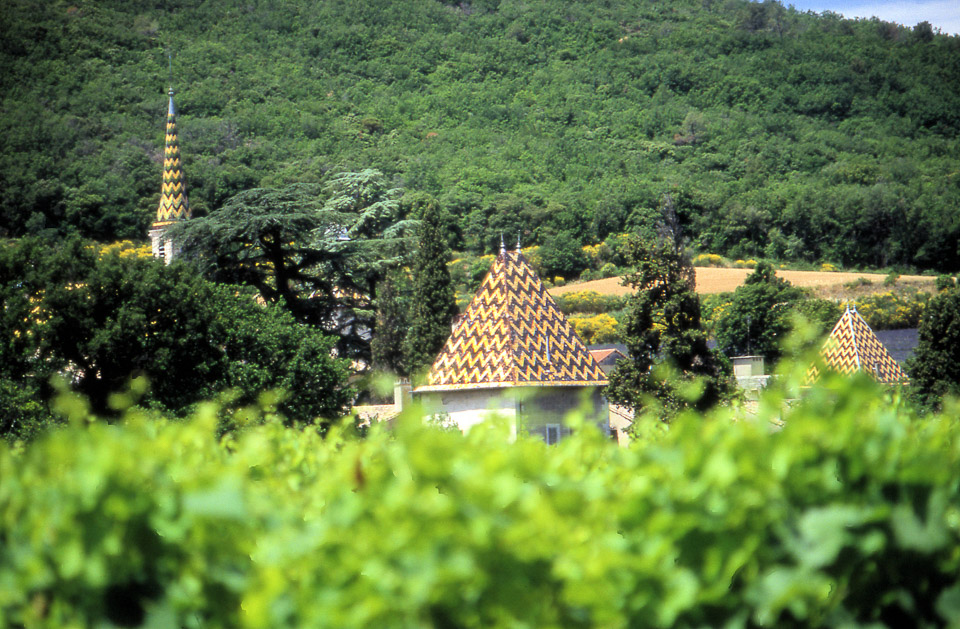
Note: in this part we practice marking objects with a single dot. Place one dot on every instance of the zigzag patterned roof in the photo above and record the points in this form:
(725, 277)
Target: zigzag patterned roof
(173, 197)
(853, 347)
(512, 334)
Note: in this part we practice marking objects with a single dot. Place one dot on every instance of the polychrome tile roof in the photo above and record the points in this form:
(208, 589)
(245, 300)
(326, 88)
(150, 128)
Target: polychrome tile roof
(512, 334)
(173, 198)
(853, 347)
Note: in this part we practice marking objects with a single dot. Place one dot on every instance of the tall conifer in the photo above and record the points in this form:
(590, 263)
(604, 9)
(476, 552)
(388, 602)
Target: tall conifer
(434, 303)
(388, 345)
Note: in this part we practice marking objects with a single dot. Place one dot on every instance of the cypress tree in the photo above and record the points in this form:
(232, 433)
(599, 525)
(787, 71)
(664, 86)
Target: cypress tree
(388, 345)
(434, 303)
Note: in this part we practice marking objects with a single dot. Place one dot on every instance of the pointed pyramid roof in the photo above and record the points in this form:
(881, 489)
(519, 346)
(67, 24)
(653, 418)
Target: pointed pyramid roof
(853, 347)
(173, 198)
(512, 334)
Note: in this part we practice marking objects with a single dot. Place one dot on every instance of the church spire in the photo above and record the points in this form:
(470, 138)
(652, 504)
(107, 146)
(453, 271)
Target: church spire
(173, 200)
(174, 205)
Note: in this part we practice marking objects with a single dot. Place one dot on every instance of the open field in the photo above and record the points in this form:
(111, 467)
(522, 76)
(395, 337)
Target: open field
(719, 280)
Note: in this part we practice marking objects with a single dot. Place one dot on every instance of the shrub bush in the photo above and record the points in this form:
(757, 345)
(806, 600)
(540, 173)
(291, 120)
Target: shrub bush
(598, 328)
(944, 282)
(893, 310)
(589, 301)
(609, 270)
(709, 259)
(847, 516)
(857, 283)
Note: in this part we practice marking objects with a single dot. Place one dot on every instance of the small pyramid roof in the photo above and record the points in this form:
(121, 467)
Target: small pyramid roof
(174, 205)
(512, 334)
(853, 347)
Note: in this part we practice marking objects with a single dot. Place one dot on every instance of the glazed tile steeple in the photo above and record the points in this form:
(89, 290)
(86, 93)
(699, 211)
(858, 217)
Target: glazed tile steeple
(853, 347)
(173, 200)
(513, 334)
(174, 205)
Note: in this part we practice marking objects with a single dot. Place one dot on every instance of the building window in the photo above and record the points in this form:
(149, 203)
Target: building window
(552, 434)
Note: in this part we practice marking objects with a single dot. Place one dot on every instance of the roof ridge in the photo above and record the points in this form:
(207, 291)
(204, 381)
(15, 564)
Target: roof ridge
(853, 336)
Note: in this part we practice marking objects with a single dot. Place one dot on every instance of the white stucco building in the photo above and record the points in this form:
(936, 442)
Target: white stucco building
(514, 354)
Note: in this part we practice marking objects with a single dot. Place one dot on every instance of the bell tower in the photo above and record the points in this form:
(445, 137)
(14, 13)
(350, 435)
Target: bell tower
(173, 197)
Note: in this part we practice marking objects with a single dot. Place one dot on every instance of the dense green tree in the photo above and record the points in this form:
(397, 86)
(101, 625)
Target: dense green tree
(320, 258)
(434, 304)
(388, 346)
(934, 369)
(97, 320)
(562, 255)
(758, 317)
(822, 313)
(790, 134)
(23, 413)
(666, 344)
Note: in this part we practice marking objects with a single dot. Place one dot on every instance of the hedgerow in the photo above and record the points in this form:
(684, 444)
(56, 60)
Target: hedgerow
(847, 515)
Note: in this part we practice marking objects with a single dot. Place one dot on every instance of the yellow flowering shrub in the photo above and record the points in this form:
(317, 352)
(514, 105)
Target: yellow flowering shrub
(892, 310)
(126, 249)
(599, 328)
(593, 253)
(709, 259)
(532, 254)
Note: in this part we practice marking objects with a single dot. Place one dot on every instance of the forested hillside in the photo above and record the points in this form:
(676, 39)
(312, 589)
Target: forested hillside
(775, 133)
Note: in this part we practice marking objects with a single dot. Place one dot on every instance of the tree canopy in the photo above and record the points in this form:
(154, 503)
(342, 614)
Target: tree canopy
(780, 132)
(758, 317)
(934, 369)
(317, 251)
(99, 320)
(669, 363)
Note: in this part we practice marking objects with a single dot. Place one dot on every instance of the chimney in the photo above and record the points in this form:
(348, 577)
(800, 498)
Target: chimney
(401, 394)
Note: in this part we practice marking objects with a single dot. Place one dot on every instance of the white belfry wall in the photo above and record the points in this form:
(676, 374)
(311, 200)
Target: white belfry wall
(161, 247)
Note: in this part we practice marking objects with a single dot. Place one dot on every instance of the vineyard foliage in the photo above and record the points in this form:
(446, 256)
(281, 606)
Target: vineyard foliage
(777, 133)
(848, 515)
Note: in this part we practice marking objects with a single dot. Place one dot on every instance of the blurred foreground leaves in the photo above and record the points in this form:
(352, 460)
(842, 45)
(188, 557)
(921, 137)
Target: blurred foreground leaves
(847, 516)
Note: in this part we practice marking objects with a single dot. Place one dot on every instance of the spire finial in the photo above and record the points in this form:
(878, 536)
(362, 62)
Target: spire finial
(518, 241)
(170, 92)
(503, 247)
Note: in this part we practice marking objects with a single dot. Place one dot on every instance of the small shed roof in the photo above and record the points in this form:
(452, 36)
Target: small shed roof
(611, 353)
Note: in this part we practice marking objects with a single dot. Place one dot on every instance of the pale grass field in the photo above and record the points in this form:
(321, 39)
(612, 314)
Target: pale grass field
(717, 280)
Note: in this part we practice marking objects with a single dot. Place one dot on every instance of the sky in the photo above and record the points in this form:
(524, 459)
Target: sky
(942, 14)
